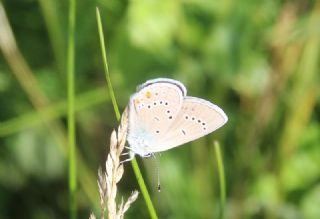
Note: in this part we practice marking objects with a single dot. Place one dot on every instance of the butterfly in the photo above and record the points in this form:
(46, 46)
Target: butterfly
(161, 116)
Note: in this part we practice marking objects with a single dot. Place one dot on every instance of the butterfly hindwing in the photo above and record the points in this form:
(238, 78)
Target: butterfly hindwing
(196, 118)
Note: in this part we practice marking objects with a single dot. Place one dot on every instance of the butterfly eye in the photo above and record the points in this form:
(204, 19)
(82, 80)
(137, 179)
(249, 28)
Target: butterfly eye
(148, 155)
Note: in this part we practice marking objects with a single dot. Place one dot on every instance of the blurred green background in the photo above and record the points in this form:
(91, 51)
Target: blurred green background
(258, 60)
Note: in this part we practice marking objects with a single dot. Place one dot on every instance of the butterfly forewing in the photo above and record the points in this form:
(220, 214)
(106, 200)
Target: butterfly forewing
(196, 118)
(156, 106)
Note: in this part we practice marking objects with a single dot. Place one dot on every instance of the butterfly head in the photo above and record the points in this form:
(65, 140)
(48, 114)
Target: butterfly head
(138, 144)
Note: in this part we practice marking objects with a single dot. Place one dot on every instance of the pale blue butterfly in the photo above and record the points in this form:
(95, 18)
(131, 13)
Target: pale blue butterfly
(162, 117)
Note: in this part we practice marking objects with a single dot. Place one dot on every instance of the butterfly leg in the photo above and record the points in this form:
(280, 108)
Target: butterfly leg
(131, 156)
(126, 160)
(126, 153)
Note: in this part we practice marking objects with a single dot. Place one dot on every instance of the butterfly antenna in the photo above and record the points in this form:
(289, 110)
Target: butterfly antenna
(158, 172)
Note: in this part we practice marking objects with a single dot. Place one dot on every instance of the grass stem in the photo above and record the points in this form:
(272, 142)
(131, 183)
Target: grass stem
(71, 110)
(134, 163)
(222, 182)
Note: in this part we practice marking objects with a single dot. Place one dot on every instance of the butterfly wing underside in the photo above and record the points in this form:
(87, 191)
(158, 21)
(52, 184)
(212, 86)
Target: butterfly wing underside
(155, 106)
(196, 118)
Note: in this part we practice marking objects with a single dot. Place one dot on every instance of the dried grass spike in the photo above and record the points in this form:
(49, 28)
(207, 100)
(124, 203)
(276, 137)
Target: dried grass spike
(107, 181)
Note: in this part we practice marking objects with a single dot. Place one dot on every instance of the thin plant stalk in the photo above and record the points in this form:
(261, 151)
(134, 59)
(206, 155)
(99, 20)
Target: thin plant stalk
(222, 183)
(106, 68)
(143, 188)
(51, 14)
(134, 163)
(71, 110)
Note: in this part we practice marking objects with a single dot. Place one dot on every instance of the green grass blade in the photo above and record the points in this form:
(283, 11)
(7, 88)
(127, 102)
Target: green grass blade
(134, 163)
(51, 15)
(52, 112)
(71, 111)
(144, 190)
(106, 68)
(222, 182)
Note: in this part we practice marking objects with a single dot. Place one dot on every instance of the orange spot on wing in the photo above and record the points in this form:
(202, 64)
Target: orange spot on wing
(136, 101)
(148, 94)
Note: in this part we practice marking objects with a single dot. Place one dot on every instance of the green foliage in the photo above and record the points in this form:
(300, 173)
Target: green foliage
(258, 60)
